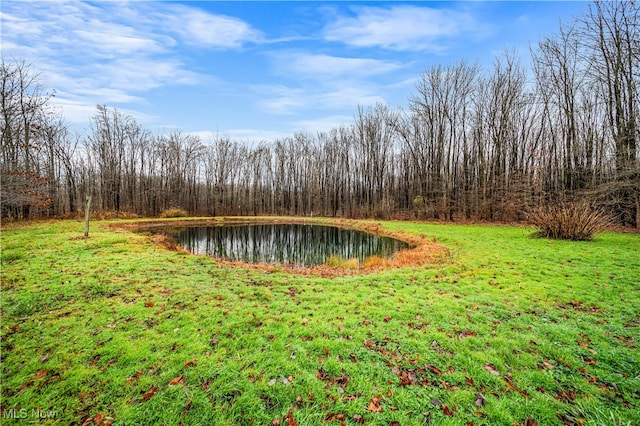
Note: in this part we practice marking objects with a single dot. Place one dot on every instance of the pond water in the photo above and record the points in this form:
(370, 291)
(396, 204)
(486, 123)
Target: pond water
(290, 244)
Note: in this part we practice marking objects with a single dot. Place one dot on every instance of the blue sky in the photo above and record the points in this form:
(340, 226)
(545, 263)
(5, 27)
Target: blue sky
(257, 70)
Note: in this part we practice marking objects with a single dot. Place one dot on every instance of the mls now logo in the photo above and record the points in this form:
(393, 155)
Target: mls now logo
(23, 413)
(12, 413)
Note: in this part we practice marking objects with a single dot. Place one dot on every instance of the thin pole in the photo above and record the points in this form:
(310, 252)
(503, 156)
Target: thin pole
(86, 216)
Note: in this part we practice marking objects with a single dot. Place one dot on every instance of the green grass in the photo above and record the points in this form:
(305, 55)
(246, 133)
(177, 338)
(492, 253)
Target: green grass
(119, 329)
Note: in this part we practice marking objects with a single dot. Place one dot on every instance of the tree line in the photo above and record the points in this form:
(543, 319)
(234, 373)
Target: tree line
(472, 143)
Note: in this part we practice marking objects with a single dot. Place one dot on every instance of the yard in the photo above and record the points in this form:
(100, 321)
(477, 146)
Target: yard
(505, 329)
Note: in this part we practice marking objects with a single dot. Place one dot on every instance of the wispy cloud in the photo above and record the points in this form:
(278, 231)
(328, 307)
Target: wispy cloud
(202, 28)
(341, 95)
(78, 113)
(315, 82)
(280, 99)
(255, 135)
(250, 69)
(328, 67)
(344, 96)
(112, 43)
(322, 124)
(113, 52)
(402, 27)
(242, 135)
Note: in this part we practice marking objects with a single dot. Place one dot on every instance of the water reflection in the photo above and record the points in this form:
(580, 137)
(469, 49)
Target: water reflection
(292, 244)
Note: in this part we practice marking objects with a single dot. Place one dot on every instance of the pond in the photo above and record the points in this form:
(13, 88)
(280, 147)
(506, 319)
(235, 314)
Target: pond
(290, 244)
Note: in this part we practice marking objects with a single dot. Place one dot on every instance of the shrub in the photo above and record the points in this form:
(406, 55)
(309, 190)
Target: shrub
(577, 221)
(174, 212)
(339, 262)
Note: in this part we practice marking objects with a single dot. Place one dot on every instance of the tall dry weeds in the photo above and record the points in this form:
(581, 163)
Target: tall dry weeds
(577, 221)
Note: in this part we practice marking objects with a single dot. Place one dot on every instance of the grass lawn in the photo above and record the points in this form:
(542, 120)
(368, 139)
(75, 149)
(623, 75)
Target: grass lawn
(115, 329)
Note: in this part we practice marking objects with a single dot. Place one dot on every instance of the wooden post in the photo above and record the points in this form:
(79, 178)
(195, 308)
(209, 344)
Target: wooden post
(86, 216)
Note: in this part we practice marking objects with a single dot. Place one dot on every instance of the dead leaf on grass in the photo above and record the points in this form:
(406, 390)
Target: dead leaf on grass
(40, 373)
(290, 421)
(99, 418)
(433, 369)
(374, 405)
(566, 396)
(176, 380)
(467, 333)
(321, 374)
(491, 369)
(407, 378)
(447, 411)
(336, 416)
(149, 394)
(547, 365)
(512, 386)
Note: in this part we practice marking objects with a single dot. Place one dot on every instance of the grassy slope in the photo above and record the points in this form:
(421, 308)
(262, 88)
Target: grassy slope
(508, 328)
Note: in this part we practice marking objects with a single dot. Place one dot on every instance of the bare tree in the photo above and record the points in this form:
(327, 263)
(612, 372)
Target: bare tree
(610, 34)
(26, 118)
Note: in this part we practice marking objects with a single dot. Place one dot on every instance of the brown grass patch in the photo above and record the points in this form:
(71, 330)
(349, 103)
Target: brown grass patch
(166, 242)
(109, 215)
(374, 262)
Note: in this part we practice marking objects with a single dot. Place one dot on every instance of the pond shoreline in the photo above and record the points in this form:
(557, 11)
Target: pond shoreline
(423, 251)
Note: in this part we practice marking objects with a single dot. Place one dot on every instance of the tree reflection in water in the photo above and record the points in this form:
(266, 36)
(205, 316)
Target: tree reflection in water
(290, 244)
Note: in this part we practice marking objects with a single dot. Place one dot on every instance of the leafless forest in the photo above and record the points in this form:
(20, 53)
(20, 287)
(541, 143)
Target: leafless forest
(472, 143)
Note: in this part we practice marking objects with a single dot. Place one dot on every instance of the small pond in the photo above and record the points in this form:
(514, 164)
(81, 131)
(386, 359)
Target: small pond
(290, 244)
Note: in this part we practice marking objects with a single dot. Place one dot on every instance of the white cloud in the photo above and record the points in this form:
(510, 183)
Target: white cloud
(339, 95)
(319, 82)
(401, 27)
(240, 135)
(322, 124)
(11, 24)
(114, 43)
(349, 97)
(331, 67)
(199, 27)
(142, 74)
(280, 99)
(112, 52)
(75, 112)
(78, 113)
(255, 135)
